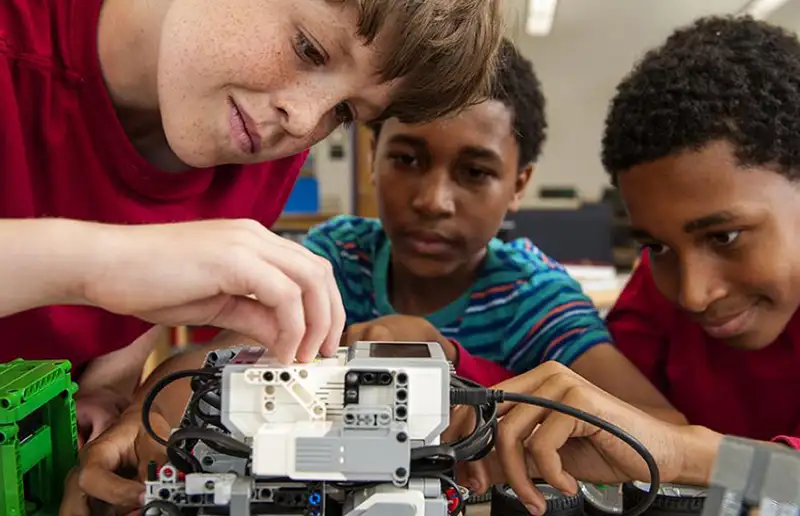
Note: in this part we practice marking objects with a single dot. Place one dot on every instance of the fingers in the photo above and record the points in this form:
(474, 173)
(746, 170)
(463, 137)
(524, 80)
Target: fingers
(278, 292)
(98, 482)
(238, 314)
(324, 312)
(544, 446)
(532, 381)
(338, 317)
(94, 481)
(352, 334)
(74, 502)
(477, 476)
(515, 428)
(288, 279)
(377, 332)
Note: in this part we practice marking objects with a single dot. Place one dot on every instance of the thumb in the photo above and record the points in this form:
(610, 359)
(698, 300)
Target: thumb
(475, 476)
(377, 332)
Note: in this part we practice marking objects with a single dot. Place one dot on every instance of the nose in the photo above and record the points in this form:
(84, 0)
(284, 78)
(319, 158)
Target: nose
(301, 115)
(435, 195)
(700, 285)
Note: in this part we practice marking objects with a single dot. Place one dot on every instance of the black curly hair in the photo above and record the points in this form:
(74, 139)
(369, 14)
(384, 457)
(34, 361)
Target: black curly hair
(730, 79)
(517, 86)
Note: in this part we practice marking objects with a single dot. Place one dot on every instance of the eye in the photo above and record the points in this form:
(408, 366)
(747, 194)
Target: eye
(344, 113)
(655, 248)
(725, 238)
(477, 174)
(402, 159)
(307, 50)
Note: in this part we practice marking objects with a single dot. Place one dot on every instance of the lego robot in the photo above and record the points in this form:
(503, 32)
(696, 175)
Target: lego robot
(353, 435)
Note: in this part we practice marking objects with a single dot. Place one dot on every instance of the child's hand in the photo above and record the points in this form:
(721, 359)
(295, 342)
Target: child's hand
(398, 328)
(233, 274)
(112, 467)
(96, 411)
(533, 442)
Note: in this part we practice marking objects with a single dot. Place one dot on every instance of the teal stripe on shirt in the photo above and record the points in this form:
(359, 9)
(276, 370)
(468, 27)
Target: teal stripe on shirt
(522, 310)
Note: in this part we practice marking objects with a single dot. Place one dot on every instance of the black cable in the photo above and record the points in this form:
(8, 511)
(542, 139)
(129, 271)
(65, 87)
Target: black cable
(160, 386)
(622, 435)
(222, 443)
(168, 508)
(480, 442)
(480, 396)
(202, 394)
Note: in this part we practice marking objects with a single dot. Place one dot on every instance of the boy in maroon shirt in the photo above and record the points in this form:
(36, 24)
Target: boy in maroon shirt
(703, 140)
(115, 114)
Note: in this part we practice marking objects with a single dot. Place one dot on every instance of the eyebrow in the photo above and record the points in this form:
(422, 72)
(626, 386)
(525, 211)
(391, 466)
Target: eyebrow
(705, 222)
(469, 151)
(709, 221)
(480, 153)
(414, 141)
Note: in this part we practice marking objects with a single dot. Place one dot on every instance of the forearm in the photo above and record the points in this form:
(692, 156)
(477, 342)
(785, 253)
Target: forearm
(604, 366)
(44, 263)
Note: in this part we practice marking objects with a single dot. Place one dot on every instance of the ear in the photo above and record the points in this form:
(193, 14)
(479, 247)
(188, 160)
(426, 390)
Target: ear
(523, 177)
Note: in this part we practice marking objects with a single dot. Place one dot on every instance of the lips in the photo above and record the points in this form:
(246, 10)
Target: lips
(429, 242)
(730, 326)
(243, 129)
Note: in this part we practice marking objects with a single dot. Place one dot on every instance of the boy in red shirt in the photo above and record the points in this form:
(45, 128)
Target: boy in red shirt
(703, 140)
(122, 113)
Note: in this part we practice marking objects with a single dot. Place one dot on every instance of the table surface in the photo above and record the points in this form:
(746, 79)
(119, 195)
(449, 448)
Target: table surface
(478, 510)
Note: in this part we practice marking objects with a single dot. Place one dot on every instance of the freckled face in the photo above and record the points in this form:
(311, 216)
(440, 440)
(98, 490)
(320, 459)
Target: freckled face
(724, 241)
(247, 81)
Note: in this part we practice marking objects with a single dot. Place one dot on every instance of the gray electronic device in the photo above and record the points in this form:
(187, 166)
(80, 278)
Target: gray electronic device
(334, 436)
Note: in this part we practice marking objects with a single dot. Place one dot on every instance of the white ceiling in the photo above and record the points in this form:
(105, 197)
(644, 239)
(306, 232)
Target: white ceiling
(637, 23)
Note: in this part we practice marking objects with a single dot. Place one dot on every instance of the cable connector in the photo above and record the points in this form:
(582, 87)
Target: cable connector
(475, 397)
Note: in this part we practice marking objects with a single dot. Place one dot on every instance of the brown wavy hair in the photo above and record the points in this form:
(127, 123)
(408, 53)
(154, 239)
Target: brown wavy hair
(445, 52)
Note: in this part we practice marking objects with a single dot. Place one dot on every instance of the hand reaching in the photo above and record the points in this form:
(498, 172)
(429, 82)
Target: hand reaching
(533, 442)
(233, 274)
(96, 411)
(111, 469)
(398, 328)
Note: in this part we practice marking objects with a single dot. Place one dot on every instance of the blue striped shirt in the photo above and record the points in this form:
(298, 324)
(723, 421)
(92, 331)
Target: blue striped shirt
(523, 309)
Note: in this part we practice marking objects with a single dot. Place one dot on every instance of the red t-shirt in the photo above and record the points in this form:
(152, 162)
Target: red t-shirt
(63, 153)
(753, 394)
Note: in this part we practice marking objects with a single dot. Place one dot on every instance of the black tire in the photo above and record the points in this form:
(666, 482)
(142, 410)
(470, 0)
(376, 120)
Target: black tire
(663, 505)
(476, 499)
(558, 504)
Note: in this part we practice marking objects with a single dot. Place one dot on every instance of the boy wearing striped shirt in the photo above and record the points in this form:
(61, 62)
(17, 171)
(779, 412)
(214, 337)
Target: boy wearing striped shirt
(431, 267)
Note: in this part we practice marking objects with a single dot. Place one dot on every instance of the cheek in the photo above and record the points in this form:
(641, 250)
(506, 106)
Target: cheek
(207, 44)
(483, 214)
(393, 196)
(771, 266)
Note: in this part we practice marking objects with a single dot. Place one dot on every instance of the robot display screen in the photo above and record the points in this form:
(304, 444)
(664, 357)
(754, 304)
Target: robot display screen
(399, 350)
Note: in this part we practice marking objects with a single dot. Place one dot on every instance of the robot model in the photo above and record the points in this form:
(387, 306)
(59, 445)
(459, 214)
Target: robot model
(353, 435)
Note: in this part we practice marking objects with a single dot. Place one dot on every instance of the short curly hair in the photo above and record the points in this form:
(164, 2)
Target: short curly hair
(730, 79)
(517, 86)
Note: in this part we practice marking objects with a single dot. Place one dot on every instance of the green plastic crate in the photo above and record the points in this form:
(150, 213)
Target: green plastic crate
(38, 435)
